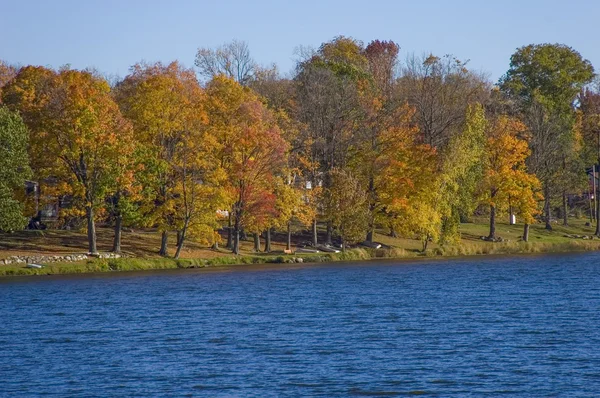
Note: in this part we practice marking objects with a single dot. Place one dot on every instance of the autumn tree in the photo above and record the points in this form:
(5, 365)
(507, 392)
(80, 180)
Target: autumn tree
(376, 130)
(544, 80)
(382, 57)
(30, 93)
(406, 185)
(7, 73)
(346, 207)
(74, 114)
(328, 90)
(14, 169)
(387, 137)
(198, 189)
(249, 147)
(505, 175)
(165, 105)
(292, 206)
(460, 170)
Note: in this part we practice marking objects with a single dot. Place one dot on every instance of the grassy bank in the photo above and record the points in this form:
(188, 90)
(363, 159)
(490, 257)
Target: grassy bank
(142, 264)
(140, 249)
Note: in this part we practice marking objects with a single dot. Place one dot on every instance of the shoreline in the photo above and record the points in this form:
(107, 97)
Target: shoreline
(125, 264)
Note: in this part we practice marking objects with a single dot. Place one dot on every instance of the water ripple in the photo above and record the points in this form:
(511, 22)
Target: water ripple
(524, 326)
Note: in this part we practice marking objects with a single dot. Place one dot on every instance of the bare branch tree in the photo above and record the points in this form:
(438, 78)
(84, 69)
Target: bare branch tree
(440, 89)
(231, 59)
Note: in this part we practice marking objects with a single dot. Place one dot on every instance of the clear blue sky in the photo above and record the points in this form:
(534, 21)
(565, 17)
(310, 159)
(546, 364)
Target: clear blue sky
(112, 35)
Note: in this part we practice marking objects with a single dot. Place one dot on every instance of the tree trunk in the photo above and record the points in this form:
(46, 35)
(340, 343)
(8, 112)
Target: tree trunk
(236, 235)
(181, 238)
(314, 233)
(164, 244)
(565, 209)
(236, 242)
(91, 230)
(425, 243)
(371, 226)
(257, 242)
(179, 233)
(393, 233)
(229, 244)
(329, 233)
(268, 240)
(288, 245)
(117, 239)
(526, 233)
(547, 210)
(492, 235)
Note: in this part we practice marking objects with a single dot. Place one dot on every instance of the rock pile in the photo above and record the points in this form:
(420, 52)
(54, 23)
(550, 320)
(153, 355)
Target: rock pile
(66, 258)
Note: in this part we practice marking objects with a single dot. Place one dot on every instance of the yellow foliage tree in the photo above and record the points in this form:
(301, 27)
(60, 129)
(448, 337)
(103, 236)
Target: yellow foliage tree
(505, 176)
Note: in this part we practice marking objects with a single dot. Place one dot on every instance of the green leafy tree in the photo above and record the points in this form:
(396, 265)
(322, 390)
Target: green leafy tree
(14, 169)
(461, 170)
(544, 81)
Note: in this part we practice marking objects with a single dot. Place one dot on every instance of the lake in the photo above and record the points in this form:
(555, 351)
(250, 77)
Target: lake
(526, 326)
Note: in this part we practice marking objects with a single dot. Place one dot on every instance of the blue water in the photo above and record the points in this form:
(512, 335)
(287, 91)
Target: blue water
(525, 326)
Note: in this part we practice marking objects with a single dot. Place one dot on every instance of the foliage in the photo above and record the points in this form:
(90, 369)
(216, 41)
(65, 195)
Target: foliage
(461, 171)
(346, 206)
(14, 169)
(249, 147)
(505, 178)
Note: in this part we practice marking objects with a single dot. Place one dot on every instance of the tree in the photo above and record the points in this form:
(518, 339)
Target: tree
(76, 120)
(460, 170)
(249, 147)
(382, 57)
(292, 205)
(505, 175)
(346, 207)
(589, 101)
(328, 91)
(544, 80)
(551, 73)
(198, 186)
(165, 105)
(407, 185)
(30, 93)
(382, 127)
(383, 159)
(14, 169)
(231, 59)
(7, 73)
(440, 90)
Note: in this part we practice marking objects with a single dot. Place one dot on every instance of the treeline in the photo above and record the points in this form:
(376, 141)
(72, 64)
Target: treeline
(354, 139)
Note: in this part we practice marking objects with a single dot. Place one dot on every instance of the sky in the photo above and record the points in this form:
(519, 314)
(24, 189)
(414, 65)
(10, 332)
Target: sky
(112, 35)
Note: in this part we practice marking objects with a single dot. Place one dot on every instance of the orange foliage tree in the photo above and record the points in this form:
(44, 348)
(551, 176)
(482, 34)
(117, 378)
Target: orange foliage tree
(505, 176)
(250, 147)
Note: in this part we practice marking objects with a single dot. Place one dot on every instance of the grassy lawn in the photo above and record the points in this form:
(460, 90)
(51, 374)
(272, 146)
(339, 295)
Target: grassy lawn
(143, 246)
(472, 232)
